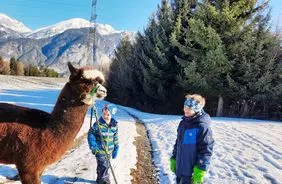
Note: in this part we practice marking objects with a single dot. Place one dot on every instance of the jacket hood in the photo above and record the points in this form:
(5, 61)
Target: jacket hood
(200, 118)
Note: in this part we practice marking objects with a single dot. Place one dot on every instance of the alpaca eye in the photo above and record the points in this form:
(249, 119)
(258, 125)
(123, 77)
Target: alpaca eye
(88, 82)
(99, 80)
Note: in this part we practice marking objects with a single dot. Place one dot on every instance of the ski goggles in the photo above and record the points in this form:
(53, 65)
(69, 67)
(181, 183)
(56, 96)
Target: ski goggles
(193, 104)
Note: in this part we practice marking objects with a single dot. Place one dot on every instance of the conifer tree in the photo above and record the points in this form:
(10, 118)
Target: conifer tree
(32, 70)
(13, 66)
(206, 45)
(255, 71)
(157, 61)
(223, 50)
(120, 76)
(201, 53)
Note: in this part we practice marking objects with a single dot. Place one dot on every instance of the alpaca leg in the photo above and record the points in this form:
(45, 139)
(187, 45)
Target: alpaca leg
(29, 177)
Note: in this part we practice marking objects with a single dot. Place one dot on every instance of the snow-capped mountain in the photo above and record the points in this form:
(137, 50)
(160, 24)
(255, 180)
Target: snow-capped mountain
(58, 28)
(13, 24)
(6, 33)
(75, 23)
(55, 45)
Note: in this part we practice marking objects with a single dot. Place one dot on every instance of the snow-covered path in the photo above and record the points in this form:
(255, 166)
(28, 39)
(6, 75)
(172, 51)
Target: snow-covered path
(79, 166)
(246, 151)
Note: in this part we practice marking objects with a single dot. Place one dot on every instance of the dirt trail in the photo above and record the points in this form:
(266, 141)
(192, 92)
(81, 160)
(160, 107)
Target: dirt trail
(145, 172)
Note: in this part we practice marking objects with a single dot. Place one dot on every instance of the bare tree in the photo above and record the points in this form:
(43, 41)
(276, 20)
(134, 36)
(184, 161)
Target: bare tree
(20, 68)
(4, 67)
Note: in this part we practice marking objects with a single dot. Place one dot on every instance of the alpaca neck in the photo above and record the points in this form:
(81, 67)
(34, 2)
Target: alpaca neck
(68, 114)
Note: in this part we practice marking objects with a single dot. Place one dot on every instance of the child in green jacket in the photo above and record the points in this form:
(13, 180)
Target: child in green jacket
(109, 129)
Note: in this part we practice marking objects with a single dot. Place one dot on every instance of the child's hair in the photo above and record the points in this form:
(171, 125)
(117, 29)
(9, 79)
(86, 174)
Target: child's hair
(198, 98)
(111, 108)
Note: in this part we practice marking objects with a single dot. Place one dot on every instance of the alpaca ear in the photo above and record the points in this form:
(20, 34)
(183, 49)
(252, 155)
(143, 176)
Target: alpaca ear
(73, 70)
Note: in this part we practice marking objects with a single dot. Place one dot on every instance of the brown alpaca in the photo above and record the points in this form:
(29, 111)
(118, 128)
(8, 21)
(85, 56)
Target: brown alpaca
(32, 139)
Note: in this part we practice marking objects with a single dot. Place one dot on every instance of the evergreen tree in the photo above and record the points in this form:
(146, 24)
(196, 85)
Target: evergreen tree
(13, 66)
(32, 70)
(137, 90)
(223, 50)
(212, 33)
(41, 71)
(199, 51)
(158, 65)
(49, 73)
(256, 71)
(151, 69)
(152, 74)
(119, 81)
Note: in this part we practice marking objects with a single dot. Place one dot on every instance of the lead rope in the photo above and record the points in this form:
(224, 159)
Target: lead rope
(103, 142)
(93, 108)
(92, 93)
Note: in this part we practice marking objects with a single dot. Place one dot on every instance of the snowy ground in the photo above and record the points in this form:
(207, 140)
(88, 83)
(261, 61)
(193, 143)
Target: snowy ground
(246, 151)
(16, 82)
(79, 165)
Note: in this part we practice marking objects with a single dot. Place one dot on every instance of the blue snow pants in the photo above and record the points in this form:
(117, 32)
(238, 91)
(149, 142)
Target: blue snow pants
(183, 180)
(103, 176)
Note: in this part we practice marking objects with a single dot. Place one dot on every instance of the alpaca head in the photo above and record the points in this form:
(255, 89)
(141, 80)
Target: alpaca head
(87, 82)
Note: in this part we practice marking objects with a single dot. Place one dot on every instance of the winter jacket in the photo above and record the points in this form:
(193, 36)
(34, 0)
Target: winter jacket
(110, 136)
(194, 144)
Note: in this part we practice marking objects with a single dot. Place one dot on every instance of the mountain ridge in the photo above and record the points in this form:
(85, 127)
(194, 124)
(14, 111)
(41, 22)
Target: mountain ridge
(13, 24)
(55, 45)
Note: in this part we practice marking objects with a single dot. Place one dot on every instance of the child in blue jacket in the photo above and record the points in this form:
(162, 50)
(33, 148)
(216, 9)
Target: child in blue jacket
(109, 129)
(194, 144)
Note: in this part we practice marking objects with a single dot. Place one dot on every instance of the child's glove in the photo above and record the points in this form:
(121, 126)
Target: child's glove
(115, 152)
(198, 176)
(172, 164)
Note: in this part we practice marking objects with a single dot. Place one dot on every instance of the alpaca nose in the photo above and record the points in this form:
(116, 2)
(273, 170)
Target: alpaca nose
(101, 91)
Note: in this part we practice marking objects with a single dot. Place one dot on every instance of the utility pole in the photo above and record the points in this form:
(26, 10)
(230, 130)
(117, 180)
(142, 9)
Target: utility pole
(173, 4)
(93, 29)
(93, 108)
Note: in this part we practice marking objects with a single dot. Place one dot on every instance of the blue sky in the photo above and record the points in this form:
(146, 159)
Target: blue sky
(131, 15)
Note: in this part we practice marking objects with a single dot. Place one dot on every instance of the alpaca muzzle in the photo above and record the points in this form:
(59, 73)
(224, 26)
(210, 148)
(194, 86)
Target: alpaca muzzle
(101, 92)
(98, 92)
